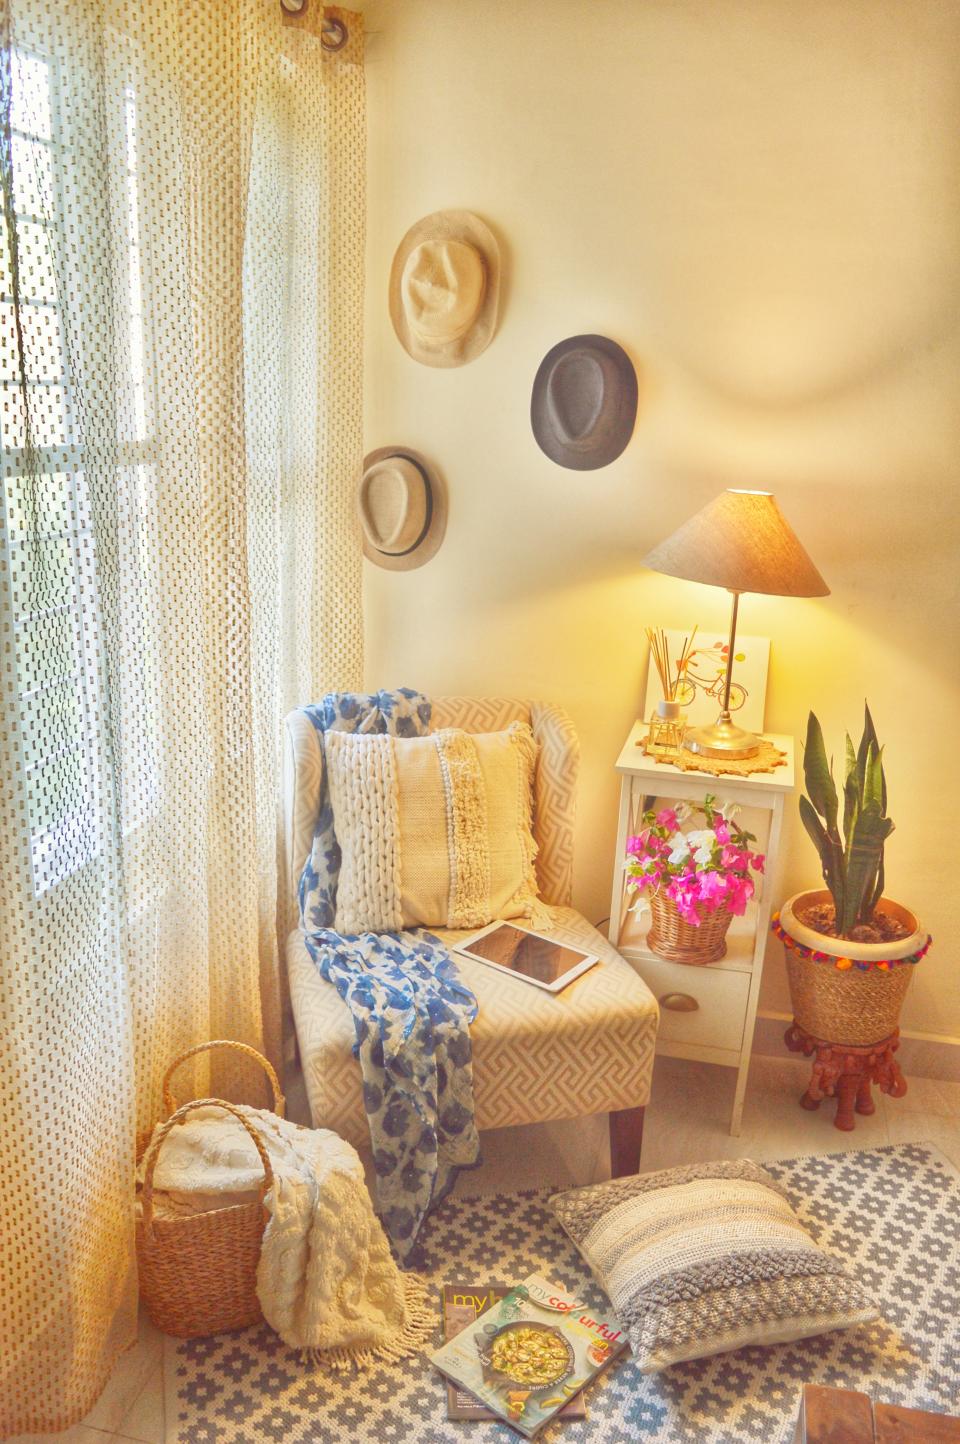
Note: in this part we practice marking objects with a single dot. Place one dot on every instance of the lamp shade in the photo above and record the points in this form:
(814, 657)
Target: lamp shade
(741, 541)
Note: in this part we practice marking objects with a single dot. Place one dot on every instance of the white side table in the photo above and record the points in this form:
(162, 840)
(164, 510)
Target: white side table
(706, 1013)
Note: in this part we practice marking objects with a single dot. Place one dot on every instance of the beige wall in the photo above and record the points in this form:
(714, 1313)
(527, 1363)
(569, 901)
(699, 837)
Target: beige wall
(760, 200)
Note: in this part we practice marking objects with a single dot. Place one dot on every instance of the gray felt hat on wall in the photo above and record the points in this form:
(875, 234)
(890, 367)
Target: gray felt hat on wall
(584, 402)
(444, 288)
(402, 504)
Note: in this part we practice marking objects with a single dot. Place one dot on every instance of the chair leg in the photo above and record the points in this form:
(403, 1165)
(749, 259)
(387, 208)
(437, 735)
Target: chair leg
(626, 1138)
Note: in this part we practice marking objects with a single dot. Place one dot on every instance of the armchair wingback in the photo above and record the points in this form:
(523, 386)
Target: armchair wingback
(536, 1056)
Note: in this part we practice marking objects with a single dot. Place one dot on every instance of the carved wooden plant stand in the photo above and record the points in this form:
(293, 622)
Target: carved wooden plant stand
(847, 1073)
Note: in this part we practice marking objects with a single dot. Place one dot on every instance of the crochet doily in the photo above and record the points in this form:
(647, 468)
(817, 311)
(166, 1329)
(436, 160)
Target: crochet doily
(768, 759)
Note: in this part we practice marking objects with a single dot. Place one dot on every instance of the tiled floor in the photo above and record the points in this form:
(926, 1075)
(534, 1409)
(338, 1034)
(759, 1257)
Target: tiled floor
(687, 1120)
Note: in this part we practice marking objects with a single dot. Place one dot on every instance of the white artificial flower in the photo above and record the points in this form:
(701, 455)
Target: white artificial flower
(703, 837)
(680, 850)
(682, 811)
(703, 854)
(729, 809)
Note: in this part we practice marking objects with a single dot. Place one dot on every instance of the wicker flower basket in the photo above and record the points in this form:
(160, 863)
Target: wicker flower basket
(842, 991)
(671, 936)
(198, 1274)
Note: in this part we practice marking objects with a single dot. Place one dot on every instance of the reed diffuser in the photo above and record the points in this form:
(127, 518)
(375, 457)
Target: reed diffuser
(667, 722)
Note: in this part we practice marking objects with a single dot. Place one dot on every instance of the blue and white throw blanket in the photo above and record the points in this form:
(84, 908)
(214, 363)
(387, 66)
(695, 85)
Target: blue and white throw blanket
(411, 1012)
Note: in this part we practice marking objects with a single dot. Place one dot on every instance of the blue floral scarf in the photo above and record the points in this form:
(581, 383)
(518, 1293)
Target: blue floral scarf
(411, 1013)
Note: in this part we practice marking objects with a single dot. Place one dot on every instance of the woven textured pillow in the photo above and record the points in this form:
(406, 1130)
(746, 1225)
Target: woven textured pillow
(434, 831)
(706, 1258)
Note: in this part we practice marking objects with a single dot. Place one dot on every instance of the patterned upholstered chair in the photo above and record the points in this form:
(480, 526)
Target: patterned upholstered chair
(537, 1056)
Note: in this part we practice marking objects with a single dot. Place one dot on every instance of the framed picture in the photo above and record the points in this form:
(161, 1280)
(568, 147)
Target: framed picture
(702, 692)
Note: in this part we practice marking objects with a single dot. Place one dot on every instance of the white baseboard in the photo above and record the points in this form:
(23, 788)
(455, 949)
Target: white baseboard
(925, 1055)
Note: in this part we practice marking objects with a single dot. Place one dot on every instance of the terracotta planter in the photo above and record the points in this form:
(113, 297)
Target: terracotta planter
(844, 991)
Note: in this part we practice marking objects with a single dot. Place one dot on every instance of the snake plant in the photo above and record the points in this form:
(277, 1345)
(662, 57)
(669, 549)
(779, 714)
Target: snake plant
(852, 863)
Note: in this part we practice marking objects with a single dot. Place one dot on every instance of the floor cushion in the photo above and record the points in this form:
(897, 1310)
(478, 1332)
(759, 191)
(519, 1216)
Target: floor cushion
(705, 1258)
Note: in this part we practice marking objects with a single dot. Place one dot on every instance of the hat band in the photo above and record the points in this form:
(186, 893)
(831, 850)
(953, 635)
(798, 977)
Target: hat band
(428, 511)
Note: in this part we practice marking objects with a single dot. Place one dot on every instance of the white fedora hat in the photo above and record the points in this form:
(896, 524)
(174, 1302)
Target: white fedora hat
(403, 508)
(445, 288)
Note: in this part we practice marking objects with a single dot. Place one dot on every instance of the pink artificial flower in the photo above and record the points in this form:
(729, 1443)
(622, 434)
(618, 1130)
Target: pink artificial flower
(722, 831)
(757, 861)
(739, 893)
(733, 857)
(667, 818)
(712, 888)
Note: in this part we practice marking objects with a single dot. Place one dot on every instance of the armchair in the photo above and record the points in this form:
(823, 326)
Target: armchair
(536, 1056)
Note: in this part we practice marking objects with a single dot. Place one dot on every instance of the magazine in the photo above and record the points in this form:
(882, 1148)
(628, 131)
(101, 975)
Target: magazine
(525, 954)
(528, 1355)
(462, 1305)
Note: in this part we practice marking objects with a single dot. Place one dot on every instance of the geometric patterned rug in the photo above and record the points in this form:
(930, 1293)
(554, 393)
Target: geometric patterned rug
(893, 1213)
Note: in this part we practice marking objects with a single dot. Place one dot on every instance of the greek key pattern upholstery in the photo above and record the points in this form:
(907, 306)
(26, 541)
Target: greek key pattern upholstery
(536, 1056)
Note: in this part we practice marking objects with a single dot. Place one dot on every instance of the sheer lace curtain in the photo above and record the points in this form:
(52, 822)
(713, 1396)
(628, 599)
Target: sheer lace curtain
(181, 247)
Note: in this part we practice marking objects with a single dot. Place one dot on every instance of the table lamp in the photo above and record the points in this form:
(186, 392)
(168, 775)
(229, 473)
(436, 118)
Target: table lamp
(741, 541)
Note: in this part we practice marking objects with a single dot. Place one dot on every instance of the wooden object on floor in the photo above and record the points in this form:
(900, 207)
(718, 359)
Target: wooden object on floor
(847, 1073)
(893, 1424)
(834, 1416)
(626, 1140)
(707, 1014)
(843, 1416)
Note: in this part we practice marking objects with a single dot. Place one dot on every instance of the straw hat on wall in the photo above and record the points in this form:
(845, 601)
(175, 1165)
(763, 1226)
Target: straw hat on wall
(402, 504)
(444, 288)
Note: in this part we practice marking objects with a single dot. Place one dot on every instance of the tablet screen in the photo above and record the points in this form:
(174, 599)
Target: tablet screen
(529, 954)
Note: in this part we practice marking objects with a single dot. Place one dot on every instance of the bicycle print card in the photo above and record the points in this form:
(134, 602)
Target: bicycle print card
(702, 694)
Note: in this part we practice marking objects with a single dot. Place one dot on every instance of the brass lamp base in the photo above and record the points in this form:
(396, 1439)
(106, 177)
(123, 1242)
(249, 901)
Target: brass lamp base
(722, 738)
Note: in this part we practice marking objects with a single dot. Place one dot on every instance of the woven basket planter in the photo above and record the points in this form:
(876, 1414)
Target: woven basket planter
(857, 1002)
(671, 936)
(198, 1275)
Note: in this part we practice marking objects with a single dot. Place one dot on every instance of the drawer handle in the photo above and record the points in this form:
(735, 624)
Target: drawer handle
(679, 1003)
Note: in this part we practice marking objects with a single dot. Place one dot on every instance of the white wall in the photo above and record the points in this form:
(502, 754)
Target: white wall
(760, 200)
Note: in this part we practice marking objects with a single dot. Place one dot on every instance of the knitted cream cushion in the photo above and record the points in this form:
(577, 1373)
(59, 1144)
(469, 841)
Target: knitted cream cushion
(434, 831)
(702, 1259)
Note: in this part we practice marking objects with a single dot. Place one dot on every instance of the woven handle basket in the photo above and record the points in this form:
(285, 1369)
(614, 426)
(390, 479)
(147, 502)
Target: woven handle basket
(198, 1275)
(671, 936)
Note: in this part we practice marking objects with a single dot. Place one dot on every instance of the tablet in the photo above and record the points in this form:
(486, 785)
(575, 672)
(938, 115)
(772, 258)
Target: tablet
(528, 955)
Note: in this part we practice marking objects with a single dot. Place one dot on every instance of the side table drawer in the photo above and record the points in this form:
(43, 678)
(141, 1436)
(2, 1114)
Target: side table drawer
(720, 996)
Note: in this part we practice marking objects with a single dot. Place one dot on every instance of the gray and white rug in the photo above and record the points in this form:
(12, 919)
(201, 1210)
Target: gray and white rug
(893, 1213)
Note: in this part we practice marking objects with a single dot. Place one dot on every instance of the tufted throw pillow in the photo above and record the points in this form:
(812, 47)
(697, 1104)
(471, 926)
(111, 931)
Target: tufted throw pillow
(435, 831)
(706, 1258)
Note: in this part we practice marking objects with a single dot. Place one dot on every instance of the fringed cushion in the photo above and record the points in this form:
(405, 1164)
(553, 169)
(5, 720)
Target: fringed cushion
(706, 1258)
(434, 831)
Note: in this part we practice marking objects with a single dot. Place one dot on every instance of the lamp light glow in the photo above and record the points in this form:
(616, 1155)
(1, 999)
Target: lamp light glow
(740, 541)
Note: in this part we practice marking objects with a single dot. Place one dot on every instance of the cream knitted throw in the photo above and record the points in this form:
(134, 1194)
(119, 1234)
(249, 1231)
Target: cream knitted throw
(327, 1281)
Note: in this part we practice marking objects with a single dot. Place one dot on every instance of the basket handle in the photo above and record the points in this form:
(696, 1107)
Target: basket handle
(170, 1103)
(150, 1157)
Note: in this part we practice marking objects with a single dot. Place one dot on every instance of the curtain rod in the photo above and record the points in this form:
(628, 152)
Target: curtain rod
(333, 32)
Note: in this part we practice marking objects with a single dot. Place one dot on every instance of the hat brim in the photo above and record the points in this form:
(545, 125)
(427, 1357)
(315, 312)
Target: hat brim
(431, 541)
(457, 226)
(614, 425)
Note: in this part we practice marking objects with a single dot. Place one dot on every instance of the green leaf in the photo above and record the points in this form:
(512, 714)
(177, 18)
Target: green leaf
(864, 860)
(818, 775)
(830, 849)
(870, 735)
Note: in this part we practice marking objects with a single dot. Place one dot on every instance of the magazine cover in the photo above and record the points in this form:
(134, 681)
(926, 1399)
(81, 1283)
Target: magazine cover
(528, 1355)
(462, 1305)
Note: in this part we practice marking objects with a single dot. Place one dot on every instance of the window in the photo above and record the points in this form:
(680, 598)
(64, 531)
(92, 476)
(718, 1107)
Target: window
(47, 514)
